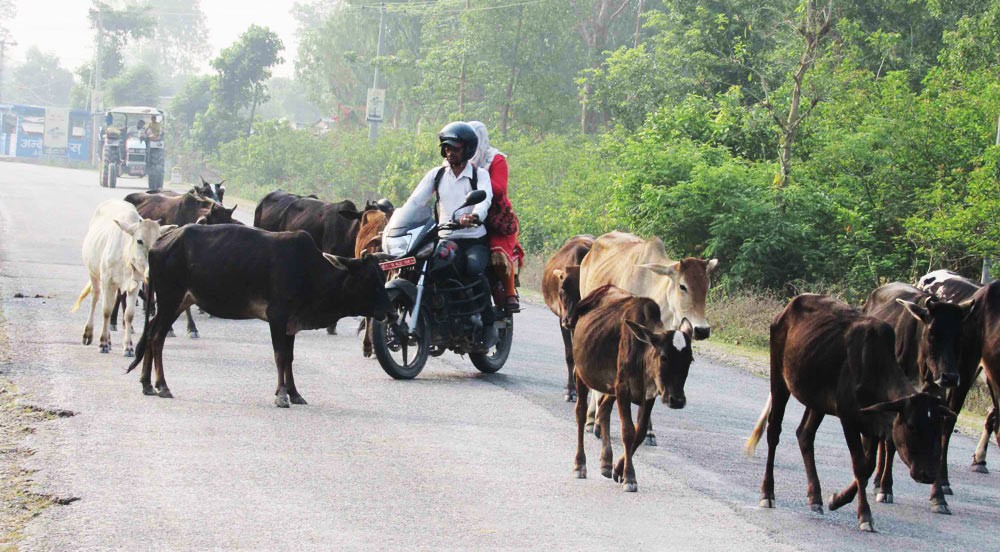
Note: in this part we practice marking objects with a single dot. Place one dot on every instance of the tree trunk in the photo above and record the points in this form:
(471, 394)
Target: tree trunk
(509, 101)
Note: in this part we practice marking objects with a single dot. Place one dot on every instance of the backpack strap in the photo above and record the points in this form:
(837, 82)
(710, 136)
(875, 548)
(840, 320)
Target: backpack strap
(437, 183)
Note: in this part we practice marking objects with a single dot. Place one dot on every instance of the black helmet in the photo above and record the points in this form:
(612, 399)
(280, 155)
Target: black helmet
(459, 134)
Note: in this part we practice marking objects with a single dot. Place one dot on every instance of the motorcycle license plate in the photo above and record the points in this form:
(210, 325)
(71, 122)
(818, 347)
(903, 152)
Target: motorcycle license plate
(398, 263)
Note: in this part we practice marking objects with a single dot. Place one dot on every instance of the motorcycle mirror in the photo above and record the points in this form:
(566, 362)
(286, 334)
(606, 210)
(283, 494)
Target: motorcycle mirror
(474, 197)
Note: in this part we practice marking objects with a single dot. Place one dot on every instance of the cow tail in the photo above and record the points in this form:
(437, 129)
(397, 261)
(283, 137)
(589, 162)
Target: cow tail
(140, 347)
(83, 295)
(758, 430)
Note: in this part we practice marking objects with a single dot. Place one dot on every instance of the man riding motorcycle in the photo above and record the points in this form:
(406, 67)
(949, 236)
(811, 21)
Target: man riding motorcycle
(448, 186)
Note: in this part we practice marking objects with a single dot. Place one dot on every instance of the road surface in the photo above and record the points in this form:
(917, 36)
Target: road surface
(453, 460)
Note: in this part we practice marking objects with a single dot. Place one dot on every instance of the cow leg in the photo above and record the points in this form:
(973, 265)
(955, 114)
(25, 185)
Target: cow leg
(592, 401)
(650, 437)
(806, 434)
(282, 359)
(580, 463)
(170, 304)
(942, 486)
(567, 337)
(366, 344)
(779, 399)
(883, 480)
(192, 330)
(95, 295)
(293, 393)
(127, 346)
(989, 428)
(109, 294)
(863, 463)
(119, 301)
(628, 437)
(604, 419)
(641, 428)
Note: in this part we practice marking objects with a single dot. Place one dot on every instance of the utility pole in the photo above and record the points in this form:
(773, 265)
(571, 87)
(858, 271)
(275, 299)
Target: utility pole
(373, 125)
(3, 47)
(95, 95)
(988, 262)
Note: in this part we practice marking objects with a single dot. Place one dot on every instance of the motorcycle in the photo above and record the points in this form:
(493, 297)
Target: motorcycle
(435, 308)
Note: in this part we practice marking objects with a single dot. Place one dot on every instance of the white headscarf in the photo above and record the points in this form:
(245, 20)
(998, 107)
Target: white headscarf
(484, 151)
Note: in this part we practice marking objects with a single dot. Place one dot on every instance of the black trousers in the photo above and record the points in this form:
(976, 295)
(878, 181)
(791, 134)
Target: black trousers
(473, 256)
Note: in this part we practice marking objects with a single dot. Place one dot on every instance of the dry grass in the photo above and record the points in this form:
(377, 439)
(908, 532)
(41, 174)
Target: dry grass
(743, 317)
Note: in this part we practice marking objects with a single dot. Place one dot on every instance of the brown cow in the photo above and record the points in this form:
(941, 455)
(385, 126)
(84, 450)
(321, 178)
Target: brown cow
(622, 350)
(928, 335)
(986, 320)
(642, 267)
(571, 254)
(369, 240)
(837, 361)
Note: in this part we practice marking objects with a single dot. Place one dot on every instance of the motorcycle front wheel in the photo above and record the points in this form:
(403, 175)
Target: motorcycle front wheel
(401, 354)
(493, 360)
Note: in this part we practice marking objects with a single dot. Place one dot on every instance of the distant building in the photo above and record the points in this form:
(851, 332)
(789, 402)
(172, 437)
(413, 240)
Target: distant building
(33, 132)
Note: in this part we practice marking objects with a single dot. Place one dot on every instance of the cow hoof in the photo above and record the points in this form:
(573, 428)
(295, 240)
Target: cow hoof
(940, 509)
(165, 394)
(297, 399)
(651, 440)
(113, 327)
(105, 348)
(193, 335)
(630, 487)
(606, 471)
(867, 526)
(597, 431)
(148, 390)
(589, 428)
(581, 472)
(571, 397)
(884, 498)
(87, 340)
(281, 401)
(171, 334)
(767, 503)
(979, 467)
(817, 508)
(946, 489)
(129, 353)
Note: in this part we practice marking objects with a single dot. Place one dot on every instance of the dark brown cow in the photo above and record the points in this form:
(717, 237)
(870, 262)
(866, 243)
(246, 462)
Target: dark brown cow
(239, 273)
(571, 254)
(622, 350)
(928, 334)
(839, 362)
(987, 317)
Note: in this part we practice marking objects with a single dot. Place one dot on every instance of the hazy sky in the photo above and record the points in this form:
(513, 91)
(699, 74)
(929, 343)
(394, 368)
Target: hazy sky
(61, 27)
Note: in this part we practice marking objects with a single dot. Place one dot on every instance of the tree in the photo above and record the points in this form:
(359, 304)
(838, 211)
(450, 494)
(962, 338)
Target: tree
(179, 42)
(40, 80)
(114, 29)
(243, 70)
(137, 85)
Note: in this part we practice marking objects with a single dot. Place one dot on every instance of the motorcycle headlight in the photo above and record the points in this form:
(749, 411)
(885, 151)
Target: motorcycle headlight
(398, 245)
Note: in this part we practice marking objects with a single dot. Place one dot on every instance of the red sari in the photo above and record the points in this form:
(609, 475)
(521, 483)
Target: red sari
(507, 246)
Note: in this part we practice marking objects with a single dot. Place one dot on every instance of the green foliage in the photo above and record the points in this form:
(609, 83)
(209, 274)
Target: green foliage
(137, 85)
(119, 26)
(40, 80)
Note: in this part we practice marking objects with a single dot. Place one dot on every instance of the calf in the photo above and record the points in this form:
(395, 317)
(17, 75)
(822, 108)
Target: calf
(236, 272)
(558, 267)
(622, 350)
(115, 253)
(928, 334)
(837, 361)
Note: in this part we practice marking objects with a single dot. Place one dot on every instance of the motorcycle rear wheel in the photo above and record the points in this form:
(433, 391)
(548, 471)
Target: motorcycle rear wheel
(401, 356)
(492, 361)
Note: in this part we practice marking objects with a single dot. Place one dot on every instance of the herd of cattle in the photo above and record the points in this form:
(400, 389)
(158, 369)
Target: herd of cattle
(896, 373)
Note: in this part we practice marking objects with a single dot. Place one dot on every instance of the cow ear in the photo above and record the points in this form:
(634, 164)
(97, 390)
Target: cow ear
(167, 228)
(968, 307)
(712, 265)
(128, 228)
(340, 263)
(640, 332)
(663, 270)
(888, 406)
(353, 215)
(559, 274)
(915, 310)
(947, 413)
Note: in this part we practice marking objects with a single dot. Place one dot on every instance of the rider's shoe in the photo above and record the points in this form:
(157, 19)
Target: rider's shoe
(512, 305)
(491, 337)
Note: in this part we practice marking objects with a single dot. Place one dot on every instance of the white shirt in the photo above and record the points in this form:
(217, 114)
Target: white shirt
(452, 191)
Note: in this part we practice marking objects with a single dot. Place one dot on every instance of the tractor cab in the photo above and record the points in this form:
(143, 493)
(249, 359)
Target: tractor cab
(132, 145)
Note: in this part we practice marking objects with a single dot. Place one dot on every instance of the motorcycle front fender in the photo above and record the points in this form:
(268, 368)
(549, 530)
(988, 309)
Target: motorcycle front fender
(401, 286)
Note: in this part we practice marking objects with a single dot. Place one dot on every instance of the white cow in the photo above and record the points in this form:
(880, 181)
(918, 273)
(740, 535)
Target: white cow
(115, 253)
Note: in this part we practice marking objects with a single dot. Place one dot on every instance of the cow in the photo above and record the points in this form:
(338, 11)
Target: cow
(928, 336)
(642, 267)
(840, 362)
(211, 191)
(179, 209)
(115, 252)
(326, 222)
(565, 263)
(369, 240)
(622, 350)
(235, 272)
(953, 287)
(987, 319)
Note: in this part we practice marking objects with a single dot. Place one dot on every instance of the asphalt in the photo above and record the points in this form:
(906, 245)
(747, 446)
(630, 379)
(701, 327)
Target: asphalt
(453, 460)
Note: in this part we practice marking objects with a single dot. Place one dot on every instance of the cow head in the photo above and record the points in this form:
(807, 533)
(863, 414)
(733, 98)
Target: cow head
(940, 337)
(685, 287)
(668, 359)
(214, 192)
(916, 431)
(569, 292)
(363, 287)
(217, 214)
(143, 235)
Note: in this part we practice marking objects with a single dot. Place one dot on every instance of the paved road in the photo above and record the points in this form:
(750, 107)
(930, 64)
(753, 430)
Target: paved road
(453, 460)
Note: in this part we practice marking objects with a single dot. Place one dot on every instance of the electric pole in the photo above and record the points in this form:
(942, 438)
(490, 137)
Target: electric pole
(373, 125)
(988, 262)
(3, 50)
(95, 94)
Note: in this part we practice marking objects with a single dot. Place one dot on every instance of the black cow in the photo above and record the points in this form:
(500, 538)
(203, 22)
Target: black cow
(239, 273)
(837, 361)
(928, 335)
